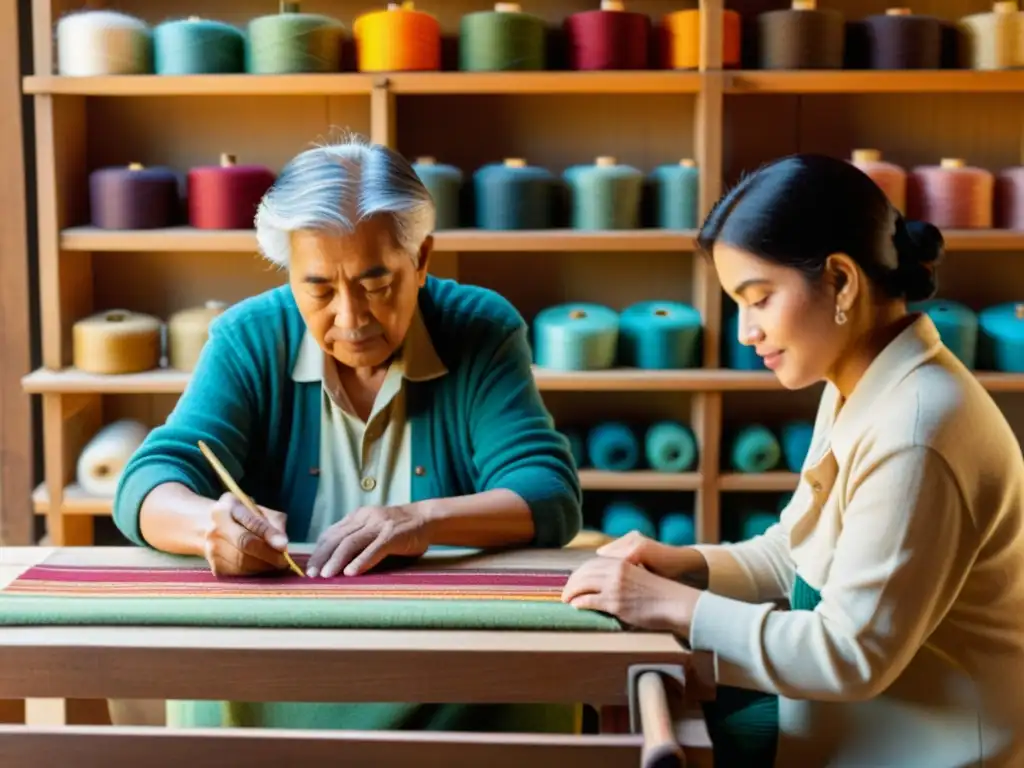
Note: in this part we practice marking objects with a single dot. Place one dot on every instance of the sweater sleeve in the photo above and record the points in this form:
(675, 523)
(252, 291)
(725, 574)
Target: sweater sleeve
(757, 570)
(906, 546)
(217, 407)
(515, 445)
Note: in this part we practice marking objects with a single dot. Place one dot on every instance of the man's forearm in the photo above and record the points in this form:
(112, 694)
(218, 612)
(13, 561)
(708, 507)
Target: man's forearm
(174, 519)
(488, 519)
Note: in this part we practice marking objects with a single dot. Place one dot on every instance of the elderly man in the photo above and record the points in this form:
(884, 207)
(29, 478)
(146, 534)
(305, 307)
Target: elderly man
(366, 406)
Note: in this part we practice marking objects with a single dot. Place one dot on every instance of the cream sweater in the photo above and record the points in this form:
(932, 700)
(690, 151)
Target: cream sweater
(909, 519)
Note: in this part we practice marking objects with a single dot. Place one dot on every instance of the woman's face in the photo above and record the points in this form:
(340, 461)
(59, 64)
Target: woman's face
(357, 293)
(790, 323)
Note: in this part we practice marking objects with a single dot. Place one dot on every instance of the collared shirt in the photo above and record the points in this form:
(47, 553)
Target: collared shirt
(365, 463)
(909, 520)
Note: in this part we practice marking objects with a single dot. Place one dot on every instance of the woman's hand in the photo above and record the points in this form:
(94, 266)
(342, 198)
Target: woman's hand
(364, 538)
(662, 559)
(633, 595)
(239, 543)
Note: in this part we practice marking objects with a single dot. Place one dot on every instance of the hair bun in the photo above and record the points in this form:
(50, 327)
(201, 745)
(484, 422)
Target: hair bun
(919, 245)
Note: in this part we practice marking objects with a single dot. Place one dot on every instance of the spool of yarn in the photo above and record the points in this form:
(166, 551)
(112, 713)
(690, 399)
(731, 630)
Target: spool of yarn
(899, 39)
(576, 337)
(957, 325)
(1009, 202)
(801, 37)
(670, 447)
(1001, 338)
(291, 42)
(677, 192)
(196, 46)
(951, 195)
(739, 356)
(133, 197)
(605, 195)
(577, 446)
(796, 443)
(755, 523)
(513, 195)
(613, 447)
(677, 529)
(681, 48)
(104, 457)
(226, 196)
(994, 40)
(622, 517)
(502, 40)
(889, 177)
(660, 335)
(187, 332)
(755, 449)
(398, 39)
(115, 342)
(93, 43)
(609, 38)
(444, 182)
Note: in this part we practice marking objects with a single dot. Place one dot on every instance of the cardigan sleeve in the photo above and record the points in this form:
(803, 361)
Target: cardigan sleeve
(756, 570)
(515, 445)
(906, 546)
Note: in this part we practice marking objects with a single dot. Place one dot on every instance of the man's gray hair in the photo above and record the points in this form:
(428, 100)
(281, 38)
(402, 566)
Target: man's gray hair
(337, 186)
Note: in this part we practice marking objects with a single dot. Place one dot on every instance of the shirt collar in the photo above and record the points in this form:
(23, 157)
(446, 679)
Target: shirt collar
(418, 357)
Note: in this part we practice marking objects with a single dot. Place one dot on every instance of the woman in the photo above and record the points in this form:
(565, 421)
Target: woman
(367, 407)
(902, 551)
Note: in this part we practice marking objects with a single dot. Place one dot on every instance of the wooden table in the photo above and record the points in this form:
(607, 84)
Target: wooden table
(46, 665)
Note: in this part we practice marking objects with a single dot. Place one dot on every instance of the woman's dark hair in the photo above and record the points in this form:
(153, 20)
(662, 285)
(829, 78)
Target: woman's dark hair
(800, 209)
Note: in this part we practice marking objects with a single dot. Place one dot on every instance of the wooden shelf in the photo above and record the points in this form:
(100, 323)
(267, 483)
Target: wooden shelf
(187, 239)
(864, 81)
(640, 480)
(767, 482)
(76, 502)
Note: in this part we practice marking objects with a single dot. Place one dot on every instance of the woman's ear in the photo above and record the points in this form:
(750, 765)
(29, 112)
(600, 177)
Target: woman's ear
(842, 273)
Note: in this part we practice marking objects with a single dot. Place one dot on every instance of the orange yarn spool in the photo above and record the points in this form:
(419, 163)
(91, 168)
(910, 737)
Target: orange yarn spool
(889, 177)
(682, 39)
(398, 39)
(951, 195)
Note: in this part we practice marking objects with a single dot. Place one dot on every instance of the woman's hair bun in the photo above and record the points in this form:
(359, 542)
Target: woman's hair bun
(919, 245)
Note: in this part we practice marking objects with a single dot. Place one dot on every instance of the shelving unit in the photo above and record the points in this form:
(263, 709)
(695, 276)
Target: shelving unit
(553, 118)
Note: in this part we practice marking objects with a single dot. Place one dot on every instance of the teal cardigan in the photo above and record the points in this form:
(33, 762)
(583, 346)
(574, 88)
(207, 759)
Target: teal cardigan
(481, 427)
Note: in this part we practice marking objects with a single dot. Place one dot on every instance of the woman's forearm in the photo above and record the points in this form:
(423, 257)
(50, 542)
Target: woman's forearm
(174, 519)
(489, 519)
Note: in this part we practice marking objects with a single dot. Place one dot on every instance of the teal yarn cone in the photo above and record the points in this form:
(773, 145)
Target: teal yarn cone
(195, 46)
(660, 335)
(291, 43)
(957, 325)
(505, 39)
(755, 449)
(622, 517)
(796, 442)
(577, 445)
(604, 195)
(613, 447)
(670, 447)
(784, 500)
(444, 183)
(677, 529)
(1001, 338)
(575, 337)
(755, 523)
(513, 196)
(739, 357)
(677, 194)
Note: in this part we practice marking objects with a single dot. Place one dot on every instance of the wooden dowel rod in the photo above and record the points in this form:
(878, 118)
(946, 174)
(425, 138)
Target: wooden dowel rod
(661, 750)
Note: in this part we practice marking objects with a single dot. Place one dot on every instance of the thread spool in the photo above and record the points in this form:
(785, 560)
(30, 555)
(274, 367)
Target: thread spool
(755, 449)
(1009, 198)
(504, 39)
(608, 38)
(677, 194)
(133, 197)
(187, 332)
(660, 335)
(681, 48)
(670, 447)
(1001, 338)
(622, 517)
(952, 195)
(577, 445)
(94, 43)
(104, 457)
(899, 39)
(801, 37)
(444, 182)
(739, 356)
(892, 179)
(605, 195)
(195, 46)
(397, 39)
(677, 529)
(994, 40)
(796, 443)
(576, 337)
(756, 523)
(957, 325)
(226, 196)
(115, 342)
(513, 195)
(291, 42)
(613, 447)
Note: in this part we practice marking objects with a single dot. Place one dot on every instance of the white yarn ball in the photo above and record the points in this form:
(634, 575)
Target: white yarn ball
(93, 43)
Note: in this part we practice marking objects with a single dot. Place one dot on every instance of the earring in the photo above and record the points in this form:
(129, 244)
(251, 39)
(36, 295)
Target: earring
(840, 316)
